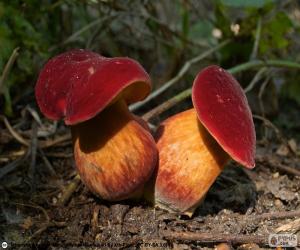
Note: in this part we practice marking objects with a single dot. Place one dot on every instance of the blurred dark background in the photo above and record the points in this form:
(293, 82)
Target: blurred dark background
(162, 36)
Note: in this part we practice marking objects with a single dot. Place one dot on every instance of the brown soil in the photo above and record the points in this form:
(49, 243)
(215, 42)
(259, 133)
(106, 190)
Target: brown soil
(236, 205)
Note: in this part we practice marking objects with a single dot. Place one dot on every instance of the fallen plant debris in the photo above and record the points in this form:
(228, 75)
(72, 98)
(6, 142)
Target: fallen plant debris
(223, 217)
(43, 202)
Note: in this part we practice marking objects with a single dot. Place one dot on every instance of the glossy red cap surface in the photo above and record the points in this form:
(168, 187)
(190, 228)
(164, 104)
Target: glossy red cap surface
(78, 84)
(223, 109)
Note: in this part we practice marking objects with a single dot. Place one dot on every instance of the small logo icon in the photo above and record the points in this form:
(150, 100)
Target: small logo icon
(4, 244)
(283, 240)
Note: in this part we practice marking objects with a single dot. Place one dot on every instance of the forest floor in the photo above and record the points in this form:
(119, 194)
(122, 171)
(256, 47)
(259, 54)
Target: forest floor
(45, 206)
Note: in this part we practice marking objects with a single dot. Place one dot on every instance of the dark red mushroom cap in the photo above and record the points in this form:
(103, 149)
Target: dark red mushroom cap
(223, 109)
(79, 84)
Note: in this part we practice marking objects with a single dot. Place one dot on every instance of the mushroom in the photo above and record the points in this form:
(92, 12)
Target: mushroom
(195, 145)
(115, 154)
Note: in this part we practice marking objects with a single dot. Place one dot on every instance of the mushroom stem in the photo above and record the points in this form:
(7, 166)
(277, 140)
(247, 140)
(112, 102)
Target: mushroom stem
(114, 154)
(190, 160)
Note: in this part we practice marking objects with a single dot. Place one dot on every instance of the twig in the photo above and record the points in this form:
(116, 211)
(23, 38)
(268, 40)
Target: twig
(34, 114)
(214, 238)
(261, 63)
(143, 33)
(86, 28)
(8, 67)
(257, 39)
(186, 93)
(273, 215)
(255, 79)
(268, 123)
(94, 221)
(14, 133)
(287, 169)
(260, 94)
(60, 139)
(59, 154)
(69, 190)
(47, 163)
(46, 224)
(180, 74)
(167, 104)
(272, 163)
(279, 135)
(164, 26)
(234, 70)
(34, 206)
(33, 150)
(231, 238)
(13, 165)
(293, 226)
(13, 154)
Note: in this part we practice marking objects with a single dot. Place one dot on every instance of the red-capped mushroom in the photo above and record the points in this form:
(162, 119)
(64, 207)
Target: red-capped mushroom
(195, 145)
(115, 155)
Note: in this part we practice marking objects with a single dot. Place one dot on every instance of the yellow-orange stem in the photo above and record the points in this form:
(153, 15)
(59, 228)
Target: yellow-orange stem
(114, 154)
(189, 162)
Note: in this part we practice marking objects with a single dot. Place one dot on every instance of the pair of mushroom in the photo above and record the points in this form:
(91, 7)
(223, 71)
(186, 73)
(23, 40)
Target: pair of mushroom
(114, 151)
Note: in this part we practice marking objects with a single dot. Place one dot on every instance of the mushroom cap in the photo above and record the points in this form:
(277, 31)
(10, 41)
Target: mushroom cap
(79, 84)
(223, 109)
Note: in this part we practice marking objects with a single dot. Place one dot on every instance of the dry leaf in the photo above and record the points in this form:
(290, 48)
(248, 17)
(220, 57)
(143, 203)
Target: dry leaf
(282, 150)
(27, 223)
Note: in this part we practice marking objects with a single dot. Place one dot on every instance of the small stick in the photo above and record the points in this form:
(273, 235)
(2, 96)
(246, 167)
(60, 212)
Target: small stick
(33, 150)
(186, 93)
(260, 94)
(277, 131)
(261, 63)
(47, 162)
(50, 143)
(41, 144)
(234, 70)
(255, 79)
(274, 215)
(34, 114)
(34, 206)
(271, 162)
(85, 28)
(232, 238)
(94, 221)
(292, 226)
(257, 39)
(267, 122)
(214, 238)
(13, 165)
(59, 154)
(13, 132)
(167, 104)
(180, 74)
(46, 224)
(287, 169)
(8, 66)
(69, 190)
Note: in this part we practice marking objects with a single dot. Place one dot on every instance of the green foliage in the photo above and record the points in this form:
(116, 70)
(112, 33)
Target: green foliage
(291, 88)
(185, 21)
(246, 3)
(21, 27)
(160, 34)
(202, 30)
(274, 34)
